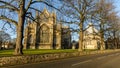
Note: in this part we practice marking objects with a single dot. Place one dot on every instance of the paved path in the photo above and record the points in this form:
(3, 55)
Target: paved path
(111, 60)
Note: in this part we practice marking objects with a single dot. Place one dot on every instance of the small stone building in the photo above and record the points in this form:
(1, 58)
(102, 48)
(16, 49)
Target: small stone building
(43, 34)
(7, 45)
(91, 39)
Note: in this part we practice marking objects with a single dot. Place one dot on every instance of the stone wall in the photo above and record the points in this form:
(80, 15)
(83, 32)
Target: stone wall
(15, 60)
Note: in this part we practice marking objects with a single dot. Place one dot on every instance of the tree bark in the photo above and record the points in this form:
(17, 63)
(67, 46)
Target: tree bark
(81, 37)
(102, 42)
(21, 15)
(102, 37)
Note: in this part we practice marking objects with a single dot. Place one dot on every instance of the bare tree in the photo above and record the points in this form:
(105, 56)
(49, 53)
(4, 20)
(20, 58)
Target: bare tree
(104, 12)
(79, 11)
(114, 28)
(19, 8)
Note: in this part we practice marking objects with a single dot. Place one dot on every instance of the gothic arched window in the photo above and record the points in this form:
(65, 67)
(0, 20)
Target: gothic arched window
(44, 34)
(30, 39)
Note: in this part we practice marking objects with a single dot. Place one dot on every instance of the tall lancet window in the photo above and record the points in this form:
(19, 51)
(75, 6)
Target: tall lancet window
(30, 39)
(44, 34)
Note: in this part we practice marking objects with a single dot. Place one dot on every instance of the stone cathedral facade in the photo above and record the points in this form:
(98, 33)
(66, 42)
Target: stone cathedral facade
(45, 34)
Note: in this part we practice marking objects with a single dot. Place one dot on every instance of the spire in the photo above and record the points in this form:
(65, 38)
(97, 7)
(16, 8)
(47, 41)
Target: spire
(90, 24)
(54, 13)
(54, 16)
(45, 10)
(29, 21)
(37, 14)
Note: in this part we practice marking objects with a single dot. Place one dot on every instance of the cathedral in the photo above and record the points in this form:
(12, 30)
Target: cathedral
(46, 33)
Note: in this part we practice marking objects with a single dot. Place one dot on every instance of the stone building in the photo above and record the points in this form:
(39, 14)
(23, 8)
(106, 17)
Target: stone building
(91, 39)
(43, 34)
(7, 45)
(66, 38)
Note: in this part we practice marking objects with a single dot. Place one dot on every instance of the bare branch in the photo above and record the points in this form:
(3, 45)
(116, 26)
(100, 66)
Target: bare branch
(8, 19)
(28, 5)
(35, 9)
(42, 1)
(8, 6)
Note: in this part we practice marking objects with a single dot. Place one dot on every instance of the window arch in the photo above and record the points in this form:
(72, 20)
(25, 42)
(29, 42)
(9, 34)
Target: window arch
(30, 39)
(44, 34)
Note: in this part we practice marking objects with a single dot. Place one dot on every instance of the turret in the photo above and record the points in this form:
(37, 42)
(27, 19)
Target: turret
(37, 15)
(54, 17)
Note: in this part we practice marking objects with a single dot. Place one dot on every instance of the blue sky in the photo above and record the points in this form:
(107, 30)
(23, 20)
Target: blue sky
(117, 5)
(117, 9)
(13, 35)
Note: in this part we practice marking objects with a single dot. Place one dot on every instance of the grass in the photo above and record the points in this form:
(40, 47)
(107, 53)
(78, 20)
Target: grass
(35, 51)
(40, 51)
(90, 49)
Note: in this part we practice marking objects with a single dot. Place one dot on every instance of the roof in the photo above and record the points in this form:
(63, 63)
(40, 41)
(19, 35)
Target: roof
(91, 29)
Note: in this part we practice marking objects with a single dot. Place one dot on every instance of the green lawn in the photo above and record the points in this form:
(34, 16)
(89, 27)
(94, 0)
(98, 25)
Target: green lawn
(35, 51)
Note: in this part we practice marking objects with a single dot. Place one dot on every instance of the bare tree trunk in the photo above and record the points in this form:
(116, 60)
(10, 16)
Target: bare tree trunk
(102, 37)
(81, 37)
(21, 15)
(102, 42)
(114, 40)
(19, 46)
